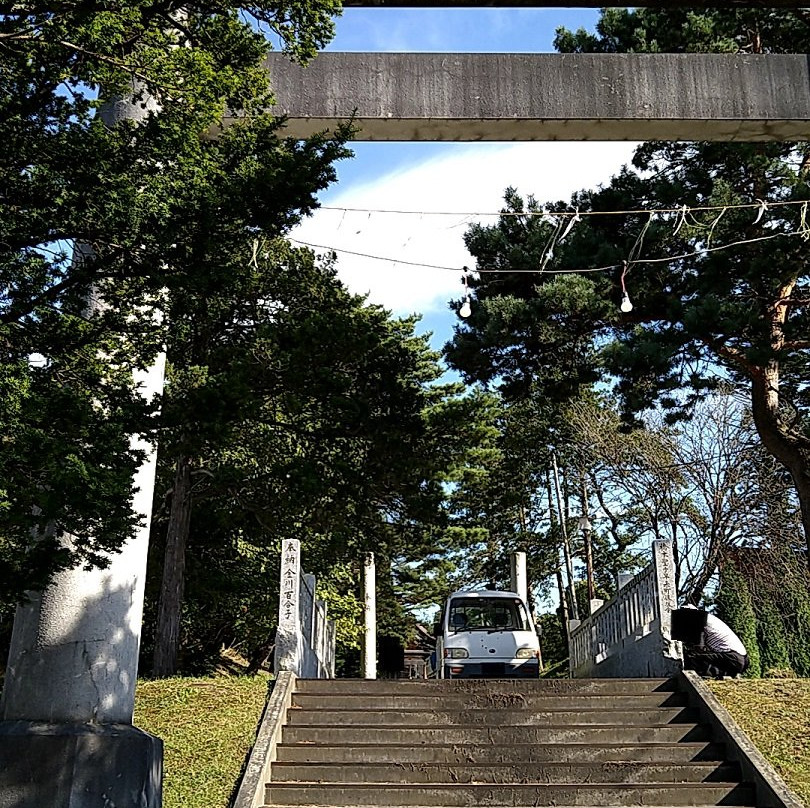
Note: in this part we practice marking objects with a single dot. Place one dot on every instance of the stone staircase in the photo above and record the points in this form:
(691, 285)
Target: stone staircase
(598, 742)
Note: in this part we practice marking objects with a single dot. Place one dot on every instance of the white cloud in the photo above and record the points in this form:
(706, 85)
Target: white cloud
(470, 180)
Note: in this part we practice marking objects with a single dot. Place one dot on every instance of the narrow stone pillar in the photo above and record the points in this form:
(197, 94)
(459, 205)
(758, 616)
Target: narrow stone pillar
(331, 635)
(288, 634)
(519, 580)
(596, 604)
(667, 597)
(624, 578)
(370, 614)
(319, 636)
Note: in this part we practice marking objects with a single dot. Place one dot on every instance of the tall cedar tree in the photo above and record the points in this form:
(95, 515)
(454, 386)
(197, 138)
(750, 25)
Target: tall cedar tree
(295, 409)
(743, 310)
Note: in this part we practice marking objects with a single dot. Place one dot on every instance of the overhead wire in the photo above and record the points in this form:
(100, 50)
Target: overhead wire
(543, 270)
(374, 257)
(682, 209)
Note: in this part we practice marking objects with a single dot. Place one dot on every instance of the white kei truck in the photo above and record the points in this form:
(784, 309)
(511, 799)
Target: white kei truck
(486, 634)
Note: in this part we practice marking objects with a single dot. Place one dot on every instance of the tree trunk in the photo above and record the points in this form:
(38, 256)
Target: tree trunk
(586, 538)
(167, 631)
(562, 611)
(789, 447)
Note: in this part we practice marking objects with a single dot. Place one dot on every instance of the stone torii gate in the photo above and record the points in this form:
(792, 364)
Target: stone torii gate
(390, 97)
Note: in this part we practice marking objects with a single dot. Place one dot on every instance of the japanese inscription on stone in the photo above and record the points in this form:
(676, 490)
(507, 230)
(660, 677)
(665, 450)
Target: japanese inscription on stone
(290, 572)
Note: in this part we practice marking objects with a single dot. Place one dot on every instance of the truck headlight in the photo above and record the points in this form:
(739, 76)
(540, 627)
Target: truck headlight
(455, 653)
(525, 653)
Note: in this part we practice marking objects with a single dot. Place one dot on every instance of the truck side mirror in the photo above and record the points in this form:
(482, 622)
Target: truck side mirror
(437, 629)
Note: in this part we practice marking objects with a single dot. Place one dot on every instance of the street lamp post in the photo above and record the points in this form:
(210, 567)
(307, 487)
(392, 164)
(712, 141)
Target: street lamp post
(585, 527)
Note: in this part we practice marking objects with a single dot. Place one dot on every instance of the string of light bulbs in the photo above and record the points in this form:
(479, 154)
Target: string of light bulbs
(564, 227)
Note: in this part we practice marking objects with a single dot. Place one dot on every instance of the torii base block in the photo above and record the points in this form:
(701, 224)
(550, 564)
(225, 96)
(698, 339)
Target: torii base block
(79, 766)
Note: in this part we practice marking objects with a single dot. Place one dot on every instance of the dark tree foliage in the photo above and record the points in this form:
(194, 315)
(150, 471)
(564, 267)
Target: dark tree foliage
(333, 427)
(779, 587)
(100, 224)
(772, 639)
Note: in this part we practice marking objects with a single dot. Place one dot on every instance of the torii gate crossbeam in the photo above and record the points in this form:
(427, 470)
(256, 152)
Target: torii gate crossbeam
(499, 96)
(568, 4)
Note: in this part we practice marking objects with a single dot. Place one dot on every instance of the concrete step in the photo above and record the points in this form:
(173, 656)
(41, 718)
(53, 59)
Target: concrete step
(513, 753)
(522, 773)
(456, 794)
(479, 686)
(624, 717)
(514, 699)
(480, 734)
(388, 805)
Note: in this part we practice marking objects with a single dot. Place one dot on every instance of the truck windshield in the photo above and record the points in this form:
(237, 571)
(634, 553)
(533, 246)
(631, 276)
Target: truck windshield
(487, 614)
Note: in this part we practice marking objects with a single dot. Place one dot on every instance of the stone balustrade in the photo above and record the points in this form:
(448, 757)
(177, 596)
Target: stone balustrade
(629, 635)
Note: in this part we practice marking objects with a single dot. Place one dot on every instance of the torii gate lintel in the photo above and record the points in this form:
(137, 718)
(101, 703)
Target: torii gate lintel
(506, 96)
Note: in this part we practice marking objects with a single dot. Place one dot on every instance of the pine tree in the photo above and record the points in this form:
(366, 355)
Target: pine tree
(538, 317)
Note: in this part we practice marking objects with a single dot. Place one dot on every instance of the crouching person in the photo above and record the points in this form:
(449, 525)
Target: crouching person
(711, 648)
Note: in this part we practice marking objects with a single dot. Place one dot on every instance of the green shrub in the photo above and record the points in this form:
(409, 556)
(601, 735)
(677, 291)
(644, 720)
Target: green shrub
(734, 607)
(773, 644)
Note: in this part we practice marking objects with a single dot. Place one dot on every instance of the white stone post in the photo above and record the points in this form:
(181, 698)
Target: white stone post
(370, 614)
(519, 581)
(331, 631)
(288, 633)
(319, 637)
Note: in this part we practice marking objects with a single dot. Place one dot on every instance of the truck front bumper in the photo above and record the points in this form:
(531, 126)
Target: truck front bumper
(516, 669)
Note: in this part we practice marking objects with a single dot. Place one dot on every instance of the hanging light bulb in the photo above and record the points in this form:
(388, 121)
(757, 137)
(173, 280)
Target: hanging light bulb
(626, 306)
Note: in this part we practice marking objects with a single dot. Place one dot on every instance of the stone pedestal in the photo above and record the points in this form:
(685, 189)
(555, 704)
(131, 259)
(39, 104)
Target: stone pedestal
(78, 766)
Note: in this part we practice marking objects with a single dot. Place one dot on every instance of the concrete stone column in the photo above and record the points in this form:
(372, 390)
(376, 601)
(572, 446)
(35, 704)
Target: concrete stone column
(519, 579)
(667, 600)
(370, 617)
(331, 635)
(288, 633)
(74, 647)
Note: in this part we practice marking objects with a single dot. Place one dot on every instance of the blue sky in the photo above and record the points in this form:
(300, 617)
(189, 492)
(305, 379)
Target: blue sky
(435, 180)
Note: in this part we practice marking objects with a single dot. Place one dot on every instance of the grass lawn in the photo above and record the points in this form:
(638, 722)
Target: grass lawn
(775, 714)
(207, 726)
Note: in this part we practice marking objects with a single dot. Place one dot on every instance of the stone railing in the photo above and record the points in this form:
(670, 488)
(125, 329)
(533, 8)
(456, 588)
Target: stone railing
(305, 638)
(630, 634)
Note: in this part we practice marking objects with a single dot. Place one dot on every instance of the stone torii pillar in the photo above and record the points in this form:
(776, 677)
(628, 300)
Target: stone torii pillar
(66, 733)
(517, 574)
